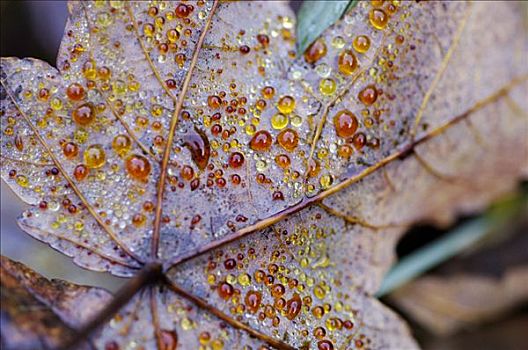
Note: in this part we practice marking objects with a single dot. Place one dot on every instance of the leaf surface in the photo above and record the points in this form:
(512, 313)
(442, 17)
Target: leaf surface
(193, 111)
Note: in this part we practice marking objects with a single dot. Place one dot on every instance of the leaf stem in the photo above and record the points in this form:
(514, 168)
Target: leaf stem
(149, 274)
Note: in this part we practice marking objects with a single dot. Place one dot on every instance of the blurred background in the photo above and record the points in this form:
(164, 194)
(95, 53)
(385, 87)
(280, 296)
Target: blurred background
(476, 300)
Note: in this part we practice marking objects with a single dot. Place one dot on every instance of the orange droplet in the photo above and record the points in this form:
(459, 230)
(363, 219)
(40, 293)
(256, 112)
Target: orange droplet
(268, 92)
(315, 51)
(225, 290)
(361, 43)
(84, 114)
(345, 123)
(293, 306)
(236, 160)
(75, 92)
(283, 161)
(368, 95)
(261, 141)
(378, 18)
(313, 167)
(252, 300)
(70, 150)
(345, 151)
(80, 172)
(288, 139)
(347, 62)
(198, 144)
(187, 173)
(214, 102)
(138, 167)
(325, 345)
(182, 11)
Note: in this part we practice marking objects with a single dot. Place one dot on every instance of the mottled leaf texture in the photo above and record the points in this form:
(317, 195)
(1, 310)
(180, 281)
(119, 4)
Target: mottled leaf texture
(271, 187)
(40, 314)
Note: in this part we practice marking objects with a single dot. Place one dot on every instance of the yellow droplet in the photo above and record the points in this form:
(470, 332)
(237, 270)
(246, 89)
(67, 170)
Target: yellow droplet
(244, 280)
(279, 121)
(286, 104)
(56, 104)
(22, 181)
(327, 87)
(94, 156)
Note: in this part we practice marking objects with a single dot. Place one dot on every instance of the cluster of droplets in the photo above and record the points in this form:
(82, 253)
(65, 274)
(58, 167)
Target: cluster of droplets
(273, 288)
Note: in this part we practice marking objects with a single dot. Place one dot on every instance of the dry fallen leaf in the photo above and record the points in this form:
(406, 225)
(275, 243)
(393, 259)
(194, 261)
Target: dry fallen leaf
(41, 314)
(271, 189)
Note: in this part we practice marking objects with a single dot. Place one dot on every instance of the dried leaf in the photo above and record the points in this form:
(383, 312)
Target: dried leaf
(185, 123)
(41, 314)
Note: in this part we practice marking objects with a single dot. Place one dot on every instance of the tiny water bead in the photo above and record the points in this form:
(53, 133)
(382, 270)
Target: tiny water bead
(261, 141)
(347, 62)
(288, 139)
(315, 51)
(327, 86)
(345, 123)
(75, 92)
(378, 18)
(286, 104)
(279, 121)
(361, 43)
(94, 156)
(122, 144)
(84, 114)
(138, 167)
(368, 95)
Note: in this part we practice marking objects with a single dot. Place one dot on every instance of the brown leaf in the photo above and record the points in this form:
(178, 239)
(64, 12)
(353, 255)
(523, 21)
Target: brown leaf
(41, 314)
(189, 129)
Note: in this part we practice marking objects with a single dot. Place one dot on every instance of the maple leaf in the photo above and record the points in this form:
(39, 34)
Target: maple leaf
(260, 195)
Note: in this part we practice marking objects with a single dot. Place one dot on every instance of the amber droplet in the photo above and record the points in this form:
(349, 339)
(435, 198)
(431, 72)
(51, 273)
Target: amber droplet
(359, 140)
(80, 172)
(368, 95)
(315, 51)
(75, 92)
(361, 43)
(70, 150)
(286, 104)
(293, 306)
(104, 73)
(325, 345)
(347, 62)
(214, 102)
(313, 167)
(252, 300)
(94, 156)
(168, 340)
(138, 167)
(288, 139)
(230, 264)
(283, 161)
(225, 290)
(187, 173)
(268, 92)
(263, 39)
(43, 94)
(261, 141)
(122, 144)
(182, 11)
(277, 290)
(244, 49)
(378, 18)
(318, 311)
(236, 160)
(139, 220)
(111, 345)
(345, 151)
(198, 144)
(84, 114)
(345, 123)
